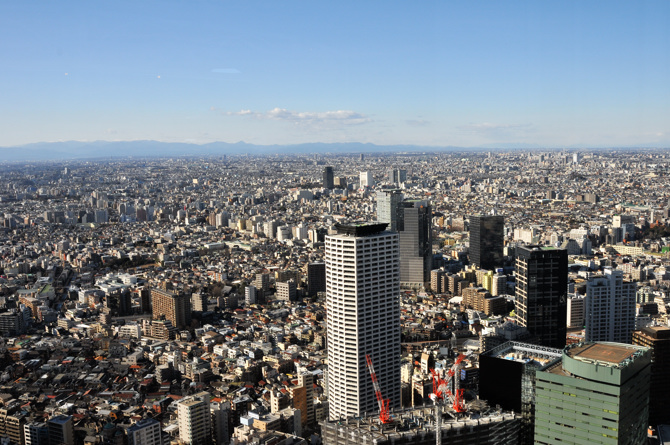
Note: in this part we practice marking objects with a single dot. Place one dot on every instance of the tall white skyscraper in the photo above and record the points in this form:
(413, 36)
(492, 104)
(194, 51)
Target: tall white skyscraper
(195, 420)
(362, 300)
(610, 308)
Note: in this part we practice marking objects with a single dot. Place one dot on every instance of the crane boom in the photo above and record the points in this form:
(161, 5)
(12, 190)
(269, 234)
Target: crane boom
(384, 413)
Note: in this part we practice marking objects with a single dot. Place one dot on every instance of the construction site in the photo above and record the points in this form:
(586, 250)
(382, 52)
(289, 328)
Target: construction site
(418, 426)
(448, 420)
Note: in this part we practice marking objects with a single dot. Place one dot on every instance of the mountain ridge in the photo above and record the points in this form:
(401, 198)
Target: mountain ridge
(75, 150)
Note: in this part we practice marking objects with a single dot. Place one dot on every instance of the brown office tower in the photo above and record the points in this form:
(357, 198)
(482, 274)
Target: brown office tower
(657, 338)
(174, 307)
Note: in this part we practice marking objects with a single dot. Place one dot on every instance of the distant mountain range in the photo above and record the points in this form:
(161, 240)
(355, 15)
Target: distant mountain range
(69, 150)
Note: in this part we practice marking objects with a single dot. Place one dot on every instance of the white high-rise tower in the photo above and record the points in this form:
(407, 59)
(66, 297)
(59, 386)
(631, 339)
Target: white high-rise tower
(363, 306)
(610, 307)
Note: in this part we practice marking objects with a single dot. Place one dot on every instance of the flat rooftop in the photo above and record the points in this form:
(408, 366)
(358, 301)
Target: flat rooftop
(360, 228)
(525, 353)
(602, 352)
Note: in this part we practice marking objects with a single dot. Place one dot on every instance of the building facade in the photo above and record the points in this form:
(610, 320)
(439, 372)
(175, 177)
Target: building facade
(366, 180)
(145, 432)
(328, 178)
(36, 433)
(286, 290)
(657, 339)
(515, 364)
(610, 308)
(416, 244)
(576, 310)
(487, 235)
(316, 278)
(541, 293)
(61, 430)
(595, 393)
(388, 202)
(171, 306)
(195, 421)
(362, 301)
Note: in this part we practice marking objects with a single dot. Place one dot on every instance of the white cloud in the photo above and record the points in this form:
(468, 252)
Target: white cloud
(417, 122)
(487, 126)
(344, 117)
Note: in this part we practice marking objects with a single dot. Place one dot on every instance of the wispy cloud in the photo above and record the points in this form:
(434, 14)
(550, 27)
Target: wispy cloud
(417, 122)
(226, 71)
(486, 126)
(344, 117)
(495, 130)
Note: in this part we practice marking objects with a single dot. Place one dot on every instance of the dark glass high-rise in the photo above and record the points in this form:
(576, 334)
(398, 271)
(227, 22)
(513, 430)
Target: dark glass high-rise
(487, 241)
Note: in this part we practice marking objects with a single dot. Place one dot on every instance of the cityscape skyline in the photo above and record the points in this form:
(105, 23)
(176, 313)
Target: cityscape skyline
(436, 74)
(235, 299)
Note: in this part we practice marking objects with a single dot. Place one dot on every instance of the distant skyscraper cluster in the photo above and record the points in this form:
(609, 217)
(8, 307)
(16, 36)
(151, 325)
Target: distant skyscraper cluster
(412, 219)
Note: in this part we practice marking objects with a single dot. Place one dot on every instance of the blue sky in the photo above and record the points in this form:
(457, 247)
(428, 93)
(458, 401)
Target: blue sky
(469, 73)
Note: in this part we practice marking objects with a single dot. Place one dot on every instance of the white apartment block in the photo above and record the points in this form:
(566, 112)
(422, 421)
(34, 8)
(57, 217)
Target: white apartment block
(195, 420)
(286, 290)
(366, 179)
(610, 308)
(145, 432)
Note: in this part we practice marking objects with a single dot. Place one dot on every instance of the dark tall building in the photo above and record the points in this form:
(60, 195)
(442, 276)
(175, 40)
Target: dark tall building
(487, 241)
(119, 302)
(61, 430)
(657, 338)
(328, 178)
(541, 293)
(145, 299)
(416, 243)
(12, 323)
(515, 364)
(316, 278)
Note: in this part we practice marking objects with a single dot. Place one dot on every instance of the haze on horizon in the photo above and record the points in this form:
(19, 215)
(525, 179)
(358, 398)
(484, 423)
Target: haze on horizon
(432, 73)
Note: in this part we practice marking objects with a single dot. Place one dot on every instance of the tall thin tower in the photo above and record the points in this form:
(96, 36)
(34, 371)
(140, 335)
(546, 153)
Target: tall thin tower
(363, 306)
(328, 178)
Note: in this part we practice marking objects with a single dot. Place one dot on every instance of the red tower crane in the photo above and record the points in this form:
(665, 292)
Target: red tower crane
(384, 412)
(441, 386)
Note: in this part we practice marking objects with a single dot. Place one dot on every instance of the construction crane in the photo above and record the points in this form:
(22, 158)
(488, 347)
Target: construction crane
(449, 388)
(442, 392)
(384, 412)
